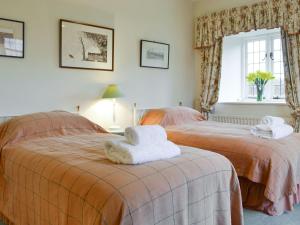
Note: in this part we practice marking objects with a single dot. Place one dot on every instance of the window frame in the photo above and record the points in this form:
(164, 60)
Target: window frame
(273, 37)
(269, 38)
(245, 65)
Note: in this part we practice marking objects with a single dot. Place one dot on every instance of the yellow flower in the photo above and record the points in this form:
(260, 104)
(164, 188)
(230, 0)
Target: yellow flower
(260, 76)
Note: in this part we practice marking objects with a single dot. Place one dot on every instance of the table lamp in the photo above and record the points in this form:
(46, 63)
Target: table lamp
(112, 91)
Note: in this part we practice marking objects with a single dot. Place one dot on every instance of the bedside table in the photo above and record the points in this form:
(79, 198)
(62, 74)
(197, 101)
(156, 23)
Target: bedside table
(116, 131)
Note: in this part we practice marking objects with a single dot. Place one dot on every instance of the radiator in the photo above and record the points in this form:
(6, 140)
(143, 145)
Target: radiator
(235, 119)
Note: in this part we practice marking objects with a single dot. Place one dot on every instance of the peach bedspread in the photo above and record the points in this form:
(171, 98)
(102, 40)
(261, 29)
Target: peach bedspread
(273, 163)
(66, 180)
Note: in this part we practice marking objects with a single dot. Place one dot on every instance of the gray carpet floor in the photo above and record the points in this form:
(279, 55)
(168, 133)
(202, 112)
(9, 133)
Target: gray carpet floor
(257, 218)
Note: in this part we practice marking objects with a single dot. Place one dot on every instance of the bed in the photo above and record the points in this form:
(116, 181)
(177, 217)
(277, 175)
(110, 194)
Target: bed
(53, 171)
(268, 170)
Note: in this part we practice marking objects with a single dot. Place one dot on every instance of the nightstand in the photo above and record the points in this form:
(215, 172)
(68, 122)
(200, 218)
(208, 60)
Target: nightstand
(117, 131)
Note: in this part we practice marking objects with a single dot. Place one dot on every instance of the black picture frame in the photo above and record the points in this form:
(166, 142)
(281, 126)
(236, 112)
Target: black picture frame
(61, 63)
(22, 24)
(159, 54)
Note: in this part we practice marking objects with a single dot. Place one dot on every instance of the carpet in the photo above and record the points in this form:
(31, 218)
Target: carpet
(258, 218)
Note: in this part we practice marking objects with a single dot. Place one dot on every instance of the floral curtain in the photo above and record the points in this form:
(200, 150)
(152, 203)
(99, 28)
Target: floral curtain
(210, 30)
(266, 14)
(210, 67)
(291, 59)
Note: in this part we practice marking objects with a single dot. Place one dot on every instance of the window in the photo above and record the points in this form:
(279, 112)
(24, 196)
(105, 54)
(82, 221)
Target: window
(265, 53)
(248, 52)
(256, 55)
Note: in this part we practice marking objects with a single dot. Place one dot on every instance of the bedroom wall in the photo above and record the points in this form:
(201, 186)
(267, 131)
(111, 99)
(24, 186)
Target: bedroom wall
(36, 83)
(202, 7)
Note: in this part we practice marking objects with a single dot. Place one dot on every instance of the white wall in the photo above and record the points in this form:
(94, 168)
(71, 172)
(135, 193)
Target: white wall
(202, 7)
(36, 83)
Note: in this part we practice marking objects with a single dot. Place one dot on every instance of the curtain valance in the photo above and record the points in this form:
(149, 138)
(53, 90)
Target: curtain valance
(266, 14)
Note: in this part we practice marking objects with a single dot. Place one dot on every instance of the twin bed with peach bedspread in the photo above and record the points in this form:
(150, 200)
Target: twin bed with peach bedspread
(54, 172)
(269, 170)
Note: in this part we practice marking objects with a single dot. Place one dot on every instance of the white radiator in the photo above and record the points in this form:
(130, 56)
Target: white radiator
(235, 119)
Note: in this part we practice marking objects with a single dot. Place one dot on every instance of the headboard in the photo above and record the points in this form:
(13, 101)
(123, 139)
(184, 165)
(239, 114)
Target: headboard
(138, 115)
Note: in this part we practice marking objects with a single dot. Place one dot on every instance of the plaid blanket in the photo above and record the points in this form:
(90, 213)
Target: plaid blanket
(67, 180)
(273, 163)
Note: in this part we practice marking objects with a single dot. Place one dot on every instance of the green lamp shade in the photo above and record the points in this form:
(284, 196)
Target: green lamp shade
(112, 91)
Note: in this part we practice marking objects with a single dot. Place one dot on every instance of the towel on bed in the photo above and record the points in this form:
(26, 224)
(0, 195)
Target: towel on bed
(145, 135)
(125, 153)
(272, 132)
(272, 121)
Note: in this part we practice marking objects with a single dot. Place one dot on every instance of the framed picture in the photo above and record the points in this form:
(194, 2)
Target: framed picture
(12, 38)
(86, 46)
(154, 54)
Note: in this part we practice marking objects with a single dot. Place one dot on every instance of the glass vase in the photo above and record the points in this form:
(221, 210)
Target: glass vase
(260, 93)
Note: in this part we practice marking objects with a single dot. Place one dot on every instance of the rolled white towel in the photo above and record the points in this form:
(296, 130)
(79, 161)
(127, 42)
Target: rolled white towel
(272, 132)
(145, 135)
(125, 153)
(272, 120)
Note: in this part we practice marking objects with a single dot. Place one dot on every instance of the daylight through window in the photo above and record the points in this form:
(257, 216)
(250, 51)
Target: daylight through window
(248, 52)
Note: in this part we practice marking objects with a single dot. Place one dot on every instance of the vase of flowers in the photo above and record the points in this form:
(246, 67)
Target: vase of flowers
(260, 79)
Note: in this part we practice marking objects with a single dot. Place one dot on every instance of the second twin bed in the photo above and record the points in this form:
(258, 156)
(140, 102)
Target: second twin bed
(268, 169)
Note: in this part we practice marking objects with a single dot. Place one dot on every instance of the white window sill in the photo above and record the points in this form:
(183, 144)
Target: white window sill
(254, 102)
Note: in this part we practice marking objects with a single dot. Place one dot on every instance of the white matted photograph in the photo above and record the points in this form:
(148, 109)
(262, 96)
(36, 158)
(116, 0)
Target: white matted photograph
(11, 38)
(86, 46)
(154, 54)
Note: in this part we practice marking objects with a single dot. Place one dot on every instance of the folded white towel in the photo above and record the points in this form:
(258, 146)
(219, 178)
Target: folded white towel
(272, 132)
(145, 135)
(272, 120)
(125, 153)
(263, 127)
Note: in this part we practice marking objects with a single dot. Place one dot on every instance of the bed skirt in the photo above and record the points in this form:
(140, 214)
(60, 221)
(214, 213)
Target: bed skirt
(253, 198)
